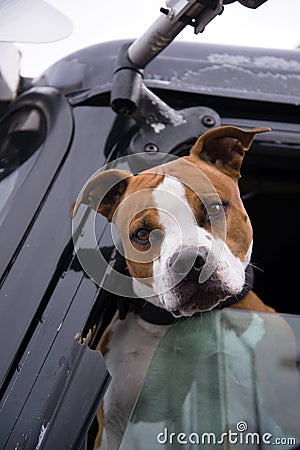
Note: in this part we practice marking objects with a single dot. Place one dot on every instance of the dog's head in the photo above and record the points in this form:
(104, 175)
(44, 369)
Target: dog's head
(186, 235)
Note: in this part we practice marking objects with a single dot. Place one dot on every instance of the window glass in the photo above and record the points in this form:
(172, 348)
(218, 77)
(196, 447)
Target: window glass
(21, 135)
(227, 379)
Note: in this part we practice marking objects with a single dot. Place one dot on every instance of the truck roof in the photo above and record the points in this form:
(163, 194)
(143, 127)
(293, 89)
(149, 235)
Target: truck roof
(262, 74)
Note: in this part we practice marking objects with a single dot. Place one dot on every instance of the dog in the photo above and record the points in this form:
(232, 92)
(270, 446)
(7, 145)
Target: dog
(187, 241)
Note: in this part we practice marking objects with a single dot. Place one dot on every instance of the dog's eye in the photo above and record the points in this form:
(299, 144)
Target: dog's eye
(214, 209)
(141, 236)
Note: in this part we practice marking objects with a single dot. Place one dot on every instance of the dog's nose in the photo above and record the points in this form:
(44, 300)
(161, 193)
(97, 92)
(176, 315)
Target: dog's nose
(188, 262)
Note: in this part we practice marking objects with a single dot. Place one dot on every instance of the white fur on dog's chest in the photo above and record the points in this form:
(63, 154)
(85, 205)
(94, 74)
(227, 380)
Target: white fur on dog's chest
(130, 350)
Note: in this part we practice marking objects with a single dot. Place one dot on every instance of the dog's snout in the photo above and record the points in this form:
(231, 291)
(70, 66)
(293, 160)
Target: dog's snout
(199, 262)
(188, 261)
(181, 262)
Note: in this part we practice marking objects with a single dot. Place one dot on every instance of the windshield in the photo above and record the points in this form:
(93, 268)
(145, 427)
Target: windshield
(228, 378)
(21, 135)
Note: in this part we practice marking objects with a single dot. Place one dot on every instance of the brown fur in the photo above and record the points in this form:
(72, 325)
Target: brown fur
(253, 303)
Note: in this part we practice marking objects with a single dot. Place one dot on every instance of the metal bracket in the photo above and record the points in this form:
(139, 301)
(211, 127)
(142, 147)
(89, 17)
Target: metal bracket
(161, 128)
(170, 135)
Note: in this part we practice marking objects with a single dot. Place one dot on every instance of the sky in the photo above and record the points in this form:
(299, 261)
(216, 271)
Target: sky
(275, 24)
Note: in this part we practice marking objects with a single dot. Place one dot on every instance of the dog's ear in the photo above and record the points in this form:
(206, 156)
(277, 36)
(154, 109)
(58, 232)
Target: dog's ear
(104, 192)
(225, 147)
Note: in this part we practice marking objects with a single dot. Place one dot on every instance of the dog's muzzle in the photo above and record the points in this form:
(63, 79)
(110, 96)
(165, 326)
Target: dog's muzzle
(190, 292)
(188, 263)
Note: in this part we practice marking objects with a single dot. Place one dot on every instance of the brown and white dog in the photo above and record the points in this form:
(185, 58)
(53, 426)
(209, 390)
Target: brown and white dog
(187, 241)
